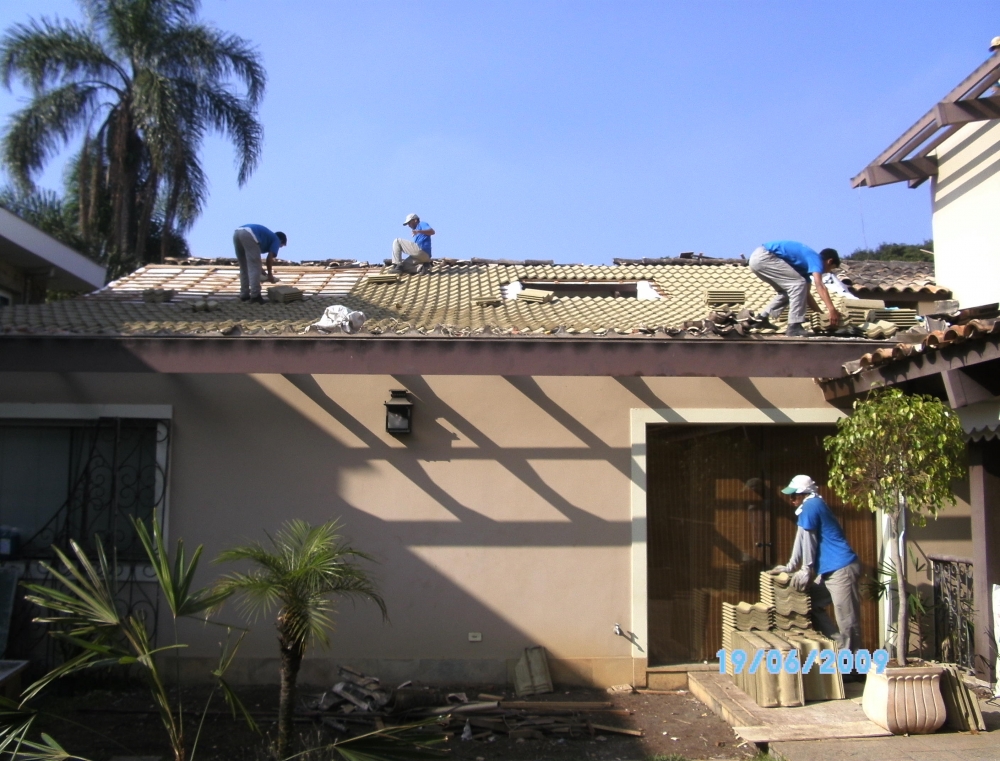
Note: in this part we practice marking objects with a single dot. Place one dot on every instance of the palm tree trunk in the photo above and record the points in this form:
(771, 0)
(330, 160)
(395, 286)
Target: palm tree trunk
(168, 218)
(146, 216)
(291, 659)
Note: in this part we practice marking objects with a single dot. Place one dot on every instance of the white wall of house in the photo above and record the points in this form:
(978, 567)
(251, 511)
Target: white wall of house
(966, 221)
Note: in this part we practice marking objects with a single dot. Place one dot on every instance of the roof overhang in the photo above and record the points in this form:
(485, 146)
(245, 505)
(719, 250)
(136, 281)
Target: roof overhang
(619, 357)
(969, 373)
(30, 249)
(908, 158)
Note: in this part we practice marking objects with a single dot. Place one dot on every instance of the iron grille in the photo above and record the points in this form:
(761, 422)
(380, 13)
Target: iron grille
(953, 610)
(117, 472)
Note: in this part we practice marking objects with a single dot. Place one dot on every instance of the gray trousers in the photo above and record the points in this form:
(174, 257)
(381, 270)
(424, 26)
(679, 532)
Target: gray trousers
(248, 255)
(792, 289)
(839, 587)
(415, 255)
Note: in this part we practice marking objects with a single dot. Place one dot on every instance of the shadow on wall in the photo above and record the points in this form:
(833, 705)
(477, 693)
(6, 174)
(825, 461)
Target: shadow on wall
(445, 558)
(974, 172)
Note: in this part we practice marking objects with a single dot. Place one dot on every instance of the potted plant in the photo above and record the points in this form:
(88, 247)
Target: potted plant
(898, 454)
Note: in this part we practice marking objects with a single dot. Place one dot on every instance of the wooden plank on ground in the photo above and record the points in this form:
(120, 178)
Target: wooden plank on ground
(543, 705)
(616, 730)
(787, 733)
(724, 698)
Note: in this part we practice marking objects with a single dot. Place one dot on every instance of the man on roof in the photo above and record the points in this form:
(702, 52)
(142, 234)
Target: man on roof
(250, 242)
(418, 250)
(825, 564)
(788, 266)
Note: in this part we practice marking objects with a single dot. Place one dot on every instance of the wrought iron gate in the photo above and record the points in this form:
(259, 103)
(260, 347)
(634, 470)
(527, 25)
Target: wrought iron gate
(953, 610)
(117, 472)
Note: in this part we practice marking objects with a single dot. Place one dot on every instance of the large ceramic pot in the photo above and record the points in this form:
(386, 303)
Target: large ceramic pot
(905, 700)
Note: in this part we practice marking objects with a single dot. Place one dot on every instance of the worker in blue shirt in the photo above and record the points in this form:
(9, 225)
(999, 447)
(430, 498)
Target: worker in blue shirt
(250, 242)
(787, 267)
(418, 250)
(825, 564)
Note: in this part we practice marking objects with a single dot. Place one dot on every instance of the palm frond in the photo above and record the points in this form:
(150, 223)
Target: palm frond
(44, 53)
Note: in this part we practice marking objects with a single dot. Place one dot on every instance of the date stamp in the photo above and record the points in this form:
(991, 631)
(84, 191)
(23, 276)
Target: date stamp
(827, 661)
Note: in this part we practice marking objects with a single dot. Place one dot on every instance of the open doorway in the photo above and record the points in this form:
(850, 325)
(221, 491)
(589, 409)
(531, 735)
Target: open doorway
(716, 519)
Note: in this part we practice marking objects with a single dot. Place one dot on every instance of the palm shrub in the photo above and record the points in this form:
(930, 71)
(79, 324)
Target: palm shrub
(898, 454)
(142, 82)
(299, 573)
(84, 611)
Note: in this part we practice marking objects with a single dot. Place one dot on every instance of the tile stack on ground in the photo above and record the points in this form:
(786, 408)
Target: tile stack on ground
(964, 713)
(791, 607)
(780, 621)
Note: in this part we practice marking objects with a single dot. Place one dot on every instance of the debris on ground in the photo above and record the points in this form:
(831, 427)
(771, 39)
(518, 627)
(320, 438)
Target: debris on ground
(360, 703)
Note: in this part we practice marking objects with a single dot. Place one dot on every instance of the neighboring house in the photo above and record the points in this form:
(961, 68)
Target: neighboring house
(957, 145)
(961, 549)
(598, 458)
(33, 263)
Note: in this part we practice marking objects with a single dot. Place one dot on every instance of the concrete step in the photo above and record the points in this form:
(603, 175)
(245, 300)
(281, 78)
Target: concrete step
(674, 676)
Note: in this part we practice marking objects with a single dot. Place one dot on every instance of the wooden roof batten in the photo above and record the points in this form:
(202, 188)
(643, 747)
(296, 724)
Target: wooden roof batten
(908, 159)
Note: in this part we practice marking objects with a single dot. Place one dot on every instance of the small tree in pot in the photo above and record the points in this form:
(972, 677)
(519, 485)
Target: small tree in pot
(897, 453)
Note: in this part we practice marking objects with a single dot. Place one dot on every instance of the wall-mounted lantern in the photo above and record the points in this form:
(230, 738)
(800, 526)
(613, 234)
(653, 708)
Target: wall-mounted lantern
(399, 412)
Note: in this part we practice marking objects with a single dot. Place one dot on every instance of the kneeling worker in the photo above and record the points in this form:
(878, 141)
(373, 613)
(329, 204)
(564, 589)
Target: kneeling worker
(787, 267)
(826, 565)
(418, 250)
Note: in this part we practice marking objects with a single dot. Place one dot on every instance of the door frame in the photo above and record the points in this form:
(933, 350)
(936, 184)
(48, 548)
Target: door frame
(639, 419)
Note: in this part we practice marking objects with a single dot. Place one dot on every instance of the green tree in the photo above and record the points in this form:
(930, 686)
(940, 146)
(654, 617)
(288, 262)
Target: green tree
(301, 572)
(898, 454)
(84, 611)
(897, 252)
(143, 83)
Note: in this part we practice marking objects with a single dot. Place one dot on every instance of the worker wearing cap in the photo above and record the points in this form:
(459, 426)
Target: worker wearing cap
(250, 242)
(418, 250)
(788, 266)
(825, 564)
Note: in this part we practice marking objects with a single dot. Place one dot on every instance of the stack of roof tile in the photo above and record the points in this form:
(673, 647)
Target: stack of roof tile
(535, 296)
(284, 294)
(791, 607)
(964, 713)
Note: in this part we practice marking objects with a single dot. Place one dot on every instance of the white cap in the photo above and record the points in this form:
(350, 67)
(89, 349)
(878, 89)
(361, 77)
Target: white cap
(410, 218)
(800, 485)
(994, 44)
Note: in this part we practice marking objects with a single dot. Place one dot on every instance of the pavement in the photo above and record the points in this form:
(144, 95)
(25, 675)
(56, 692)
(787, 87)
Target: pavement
(941, 746)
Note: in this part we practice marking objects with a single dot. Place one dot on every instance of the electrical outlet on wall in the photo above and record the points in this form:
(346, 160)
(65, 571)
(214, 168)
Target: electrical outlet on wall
(475, 636)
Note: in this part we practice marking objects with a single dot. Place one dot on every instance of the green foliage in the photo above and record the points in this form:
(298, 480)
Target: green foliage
(15, 744)
(896, 252)
(84, 612)
(897, 449)
(898, 454)
(143, 83)
(299, 574)
(399, 743)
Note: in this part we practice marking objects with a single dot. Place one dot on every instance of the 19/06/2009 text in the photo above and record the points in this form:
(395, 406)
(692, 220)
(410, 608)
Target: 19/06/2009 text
(828, 661)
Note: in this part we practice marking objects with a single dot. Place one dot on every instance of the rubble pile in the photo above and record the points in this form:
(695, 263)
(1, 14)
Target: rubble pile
(359, 704)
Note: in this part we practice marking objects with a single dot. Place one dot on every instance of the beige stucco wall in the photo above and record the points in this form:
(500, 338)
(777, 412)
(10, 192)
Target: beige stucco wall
(509, 510)
(966, 220)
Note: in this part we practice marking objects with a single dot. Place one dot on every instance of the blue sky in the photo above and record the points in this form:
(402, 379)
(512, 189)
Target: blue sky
(578, 131)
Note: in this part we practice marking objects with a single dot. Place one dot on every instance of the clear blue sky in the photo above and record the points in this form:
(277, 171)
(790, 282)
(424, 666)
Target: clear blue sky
(579, 131)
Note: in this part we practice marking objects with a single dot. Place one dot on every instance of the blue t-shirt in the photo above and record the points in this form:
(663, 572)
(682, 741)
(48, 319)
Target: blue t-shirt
(833, 551)
(423, 241)
(803, 259)
(267, 240)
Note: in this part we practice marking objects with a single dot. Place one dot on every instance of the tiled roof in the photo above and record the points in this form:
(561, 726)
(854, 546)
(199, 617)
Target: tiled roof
(891, 277)
(441, 300)
(973, 331)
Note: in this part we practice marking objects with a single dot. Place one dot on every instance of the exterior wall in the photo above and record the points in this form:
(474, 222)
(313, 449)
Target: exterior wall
(514, 509)
(949, 535)
(966, 225)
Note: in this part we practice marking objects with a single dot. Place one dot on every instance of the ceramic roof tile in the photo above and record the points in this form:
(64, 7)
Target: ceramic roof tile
(892, 277)
(441, 300)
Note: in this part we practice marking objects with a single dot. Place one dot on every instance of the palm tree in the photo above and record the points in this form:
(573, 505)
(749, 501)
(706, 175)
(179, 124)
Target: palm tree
(302, 570)
(143, 82)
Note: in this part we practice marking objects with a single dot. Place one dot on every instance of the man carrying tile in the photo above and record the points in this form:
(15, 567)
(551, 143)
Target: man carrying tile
(824, 562)
(788, 266)
(250, 242)
(418, 250)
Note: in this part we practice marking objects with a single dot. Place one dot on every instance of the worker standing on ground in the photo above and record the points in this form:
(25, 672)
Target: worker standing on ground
(824, 564)
(787, 267)
(250, 242)
(418, 250)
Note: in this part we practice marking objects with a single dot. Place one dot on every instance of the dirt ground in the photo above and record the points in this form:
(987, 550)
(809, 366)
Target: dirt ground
(99, 724)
